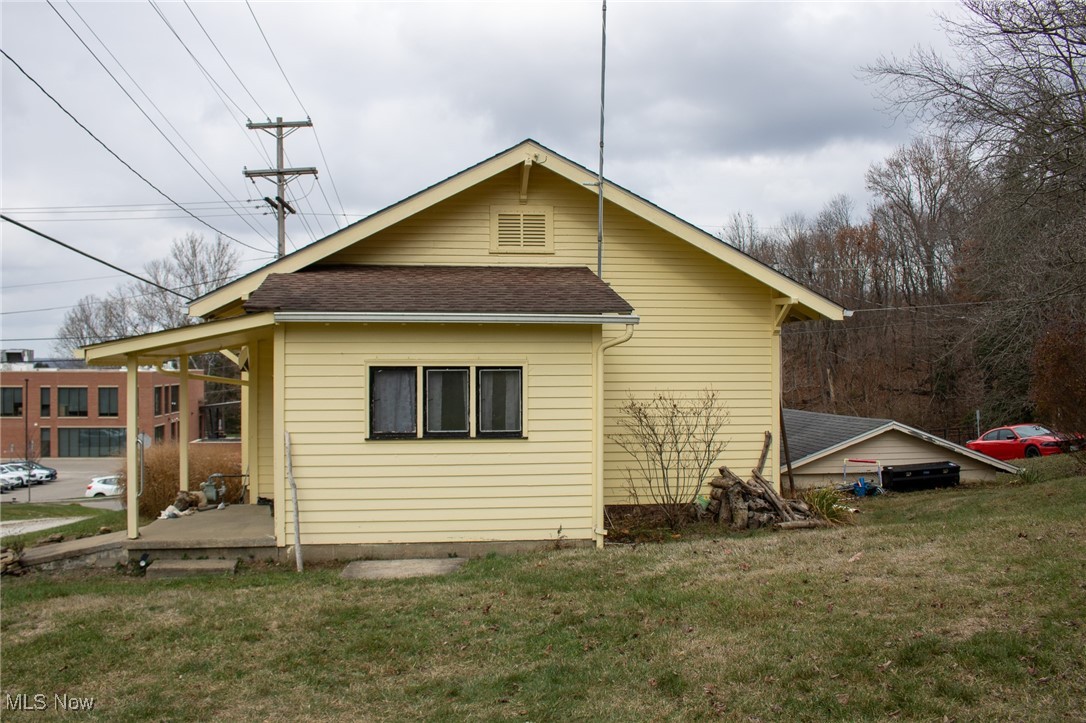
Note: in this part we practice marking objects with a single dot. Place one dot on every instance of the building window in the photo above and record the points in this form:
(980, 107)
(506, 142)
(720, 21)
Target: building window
(158, 401)
(446, 406)
(500, 408)
(46, 401)
(175, 397)
(72, 401)
(46, 442)
(91, 442)
(107, 402)
(393, 411)
(160, 433)
(446, 409)
(521, 230)
(11, 402)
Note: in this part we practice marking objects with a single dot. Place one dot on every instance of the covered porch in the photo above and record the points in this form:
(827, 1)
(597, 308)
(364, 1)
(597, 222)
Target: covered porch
(245, 526)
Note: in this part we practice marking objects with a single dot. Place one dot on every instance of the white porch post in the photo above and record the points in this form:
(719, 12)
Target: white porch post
(132, 436)
(183, 426)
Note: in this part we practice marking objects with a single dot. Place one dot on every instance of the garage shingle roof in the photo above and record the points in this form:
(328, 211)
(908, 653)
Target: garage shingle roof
(813, 432)
(439, 289)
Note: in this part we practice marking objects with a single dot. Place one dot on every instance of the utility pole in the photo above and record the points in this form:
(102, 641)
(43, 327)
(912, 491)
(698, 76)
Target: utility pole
(280, 130)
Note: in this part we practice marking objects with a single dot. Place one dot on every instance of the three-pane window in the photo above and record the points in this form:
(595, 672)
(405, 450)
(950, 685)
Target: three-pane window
(447, 394)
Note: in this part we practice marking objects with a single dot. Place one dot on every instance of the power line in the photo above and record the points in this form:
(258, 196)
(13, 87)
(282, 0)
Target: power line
(224, 60)
(219, 91)
(90, 256)
(145, 114)
(122, 161)
(316, 137)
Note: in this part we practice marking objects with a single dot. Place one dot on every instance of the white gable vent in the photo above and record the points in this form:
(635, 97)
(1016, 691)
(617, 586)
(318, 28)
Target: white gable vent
(521, 230)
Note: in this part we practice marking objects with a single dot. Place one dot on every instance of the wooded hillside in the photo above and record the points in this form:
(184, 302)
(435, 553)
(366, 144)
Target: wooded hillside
(967, 274)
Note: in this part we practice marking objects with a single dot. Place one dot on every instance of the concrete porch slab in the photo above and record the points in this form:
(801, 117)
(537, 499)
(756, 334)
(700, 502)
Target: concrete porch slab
(234, 526)
(397, 569)
(163, 569)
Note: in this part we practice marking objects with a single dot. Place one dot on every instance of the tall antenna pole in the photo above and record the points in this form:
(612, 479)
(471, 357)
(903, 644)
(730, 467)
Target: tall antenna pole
(599, 175)
(280, 173)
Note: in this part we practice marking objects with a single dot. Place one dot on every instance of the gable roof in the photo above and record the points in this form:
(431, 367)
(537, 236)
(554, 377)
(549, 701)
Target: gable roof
(439, 289)
(814, 435)
(799, 301)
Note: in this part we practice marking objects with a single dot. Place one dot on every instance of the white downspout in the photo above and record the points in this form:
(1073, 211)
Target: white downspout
(599, 530)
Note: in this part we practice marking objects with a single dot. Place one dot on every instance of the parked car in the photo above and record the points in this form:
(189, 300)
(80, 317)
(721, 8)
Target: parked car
(40, 472)
(104, 486)
(36, 473)
(12, 476)
(1024, 440)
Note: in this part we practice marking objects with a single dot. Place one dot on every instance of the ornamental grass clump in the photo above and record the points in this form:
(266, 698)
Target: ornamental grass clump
(826, 503)
(160, 467)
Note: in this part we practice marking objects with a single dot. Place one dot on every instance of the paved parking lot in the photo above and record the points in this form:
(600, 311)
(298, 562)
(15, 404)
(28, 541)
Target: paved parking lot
(73, 476)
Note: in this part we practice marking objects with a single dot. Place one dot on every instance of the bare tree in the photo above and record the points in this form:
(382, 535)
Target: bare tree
(195, 267)
(1018, 94)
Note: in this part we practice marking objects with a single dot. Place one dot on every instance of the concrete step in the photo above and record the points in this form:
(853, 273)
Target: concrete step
(164, 569)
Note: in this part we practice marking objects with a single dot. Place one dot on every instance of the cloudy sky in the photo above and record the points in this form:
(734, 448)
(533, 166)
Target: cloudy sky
(713, 109)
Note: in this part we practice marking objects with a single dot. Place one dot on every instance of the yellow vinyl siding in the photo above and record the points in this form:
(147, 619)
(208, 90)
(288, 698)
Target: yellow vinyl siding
(889, 448)
(703, 323)
(356, 490)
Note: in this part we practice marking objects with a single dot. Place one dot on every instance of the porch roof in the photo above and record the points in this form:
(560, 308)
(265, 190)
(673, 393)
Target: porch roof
(161, 346)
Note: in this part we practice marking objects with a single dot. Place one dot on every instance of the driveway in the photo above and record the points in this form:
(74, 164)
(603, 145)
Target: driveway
(73, 476)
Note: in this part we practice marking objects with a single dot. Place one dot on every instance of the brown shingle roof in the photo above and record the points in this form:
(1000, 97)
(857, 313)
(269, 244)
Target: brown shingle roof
(439, 289)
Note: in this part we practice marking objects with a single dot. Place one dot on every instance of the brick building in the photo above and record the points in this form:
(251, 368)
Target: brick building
(62, 408)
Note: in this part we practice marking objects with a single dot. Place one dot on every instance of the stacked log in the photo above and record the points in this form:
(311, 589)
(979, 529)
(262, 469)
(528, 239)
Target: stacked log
(750, 504)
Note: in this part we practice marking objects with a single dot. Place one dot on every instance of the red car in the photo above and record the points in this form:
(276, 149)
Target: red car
(1023, 440)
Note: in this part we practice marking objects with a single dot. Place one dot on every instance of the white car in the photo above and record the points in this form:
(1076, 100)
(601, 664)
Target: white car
(107, 486)
(39, 472)
(13, 476)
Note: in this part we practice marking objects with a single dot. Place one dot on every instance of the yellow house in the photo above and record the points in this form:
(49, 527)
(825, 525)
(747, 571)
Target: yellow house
(447, 371)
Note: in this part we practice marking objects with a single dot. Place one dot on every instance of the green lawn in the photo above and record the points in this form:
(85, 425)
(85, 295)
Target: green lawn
(963, 604)
(93, 520)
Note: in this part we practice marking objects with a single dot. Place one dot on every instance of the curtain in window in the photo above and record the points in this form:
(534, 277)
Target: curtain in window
(499, 401)
(393, 401)
(447, 401)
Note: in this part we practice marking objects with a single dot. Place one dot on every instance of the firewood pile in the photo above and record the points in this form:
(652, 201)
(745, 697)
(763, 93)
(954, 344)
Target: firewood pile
(753, 503)
(9, 562)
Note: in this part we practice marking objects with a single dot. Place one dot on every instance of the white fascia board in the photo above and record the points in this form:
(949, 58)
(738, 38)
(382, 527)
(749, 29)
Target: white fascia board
(373, 317)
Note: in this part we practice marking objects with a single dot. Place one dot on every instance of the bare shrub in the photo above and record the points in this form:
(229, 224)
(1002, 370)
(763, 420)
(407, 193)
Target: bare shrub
(675, 442)
(161, 483)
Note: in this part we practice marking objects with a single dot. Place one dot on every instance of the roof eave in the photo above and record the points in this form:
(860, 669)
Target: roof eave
(159, 346)
(394, 317)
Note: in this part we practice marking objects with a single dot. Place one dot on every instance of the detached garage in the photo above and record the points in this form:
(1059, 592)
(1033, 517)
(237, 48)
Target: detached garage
(818, 445)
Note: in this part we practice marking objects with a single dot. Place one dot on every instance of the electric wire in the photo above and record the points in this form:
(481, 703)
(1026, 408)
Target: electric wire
(91, 256)
(113, 153)
(224, 60)
(189, 163)
(221, 94)
(316, 136)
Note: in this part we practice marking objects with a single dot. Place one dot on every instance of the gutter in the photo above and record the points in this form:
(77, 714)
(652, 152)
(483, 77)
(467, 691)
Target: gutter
(598, 529)
(397, 317)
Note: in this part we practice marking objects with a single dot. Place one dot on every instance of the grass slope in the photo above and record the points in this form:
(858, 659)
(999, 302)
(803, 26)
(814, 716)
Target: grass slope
(963, 604)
